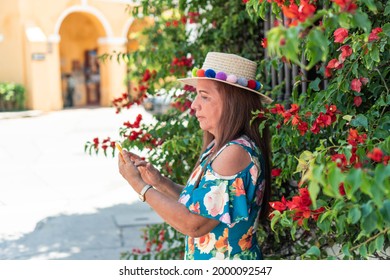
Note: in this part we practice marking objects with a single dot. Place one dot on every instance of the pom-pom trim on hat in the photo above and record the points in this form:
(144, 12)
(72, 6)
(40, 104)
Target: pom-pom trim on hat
(230, 78)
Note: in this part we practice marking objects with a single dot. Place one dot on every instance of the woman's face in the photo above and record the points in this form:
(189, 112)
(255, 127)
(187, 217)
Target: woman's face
(208, 106)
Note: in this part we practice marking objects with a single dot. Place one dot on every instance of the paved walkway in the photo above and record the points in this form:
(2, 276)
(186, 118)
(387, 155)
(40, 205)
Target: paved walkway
(56, 202)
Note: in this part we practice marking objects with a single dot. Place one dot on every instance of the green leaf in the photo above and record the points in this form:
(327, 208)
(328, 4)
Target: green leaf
(379, 242)
(347, 118)
(313, 251)
(387, 9)
(314, 84)
(354, 215)
(386, 27)
(374, 53)
(340, 225)
(345, 249)
(354, 179)
(371, 5)
(369, 224)
(324, 226)
(371, 248)
(286, 222)
(314, 190)
(360, 120)
(367, 209)
(275, 219)
(382, 172)
(363, 251)
(385, 211)
(291, 48)
(360, 19)
(324, 216)
(316, 47)
(335, 177)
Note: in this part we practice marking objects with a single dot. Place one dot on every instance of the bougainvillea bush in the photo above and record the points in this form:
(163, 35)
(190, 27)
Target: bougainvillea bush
(331, 144)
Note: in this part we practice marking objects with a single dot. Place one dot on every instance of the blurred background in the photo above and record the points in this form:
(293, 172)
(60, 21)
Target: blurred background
(56, 201)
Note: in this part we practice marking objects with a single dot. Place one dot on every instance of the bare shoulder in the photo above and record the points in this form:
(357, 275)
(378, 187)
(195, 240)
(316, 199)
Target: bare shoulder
(231, 160)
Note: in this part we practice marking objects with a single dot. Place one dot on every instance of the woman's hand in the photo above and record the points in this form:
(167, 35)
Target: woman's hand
(149, 174)
(130, 172)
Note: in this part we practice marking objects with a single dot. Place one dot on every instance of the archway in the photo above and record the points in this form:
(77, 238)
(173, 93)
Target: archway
(79, 32)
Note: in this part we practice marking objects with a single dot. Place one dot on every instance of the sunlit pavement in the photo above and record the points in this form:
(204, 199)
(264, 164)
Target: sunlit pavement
(57, 202)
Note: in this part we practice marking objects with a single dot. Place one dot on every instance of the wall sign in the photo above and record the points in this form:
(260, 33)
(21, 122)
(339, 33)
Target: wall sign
(38, 56)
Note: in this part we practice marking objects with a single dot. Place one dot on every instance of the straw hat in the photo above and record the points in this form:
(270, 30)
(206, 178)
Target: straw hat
(230, 69)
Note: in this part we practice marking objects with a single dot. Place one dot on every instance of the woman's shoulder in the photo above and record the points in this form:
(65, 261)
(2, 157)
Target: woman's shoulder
(233, 157)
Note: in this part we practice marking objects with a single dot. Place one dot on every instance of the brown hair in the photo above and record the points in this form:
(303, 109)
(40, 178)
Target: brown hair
(238, 105)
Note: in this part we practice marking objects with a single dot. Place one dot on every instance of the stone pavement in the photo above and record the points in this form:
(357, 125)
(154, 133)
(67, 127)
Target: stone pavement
(57, 202)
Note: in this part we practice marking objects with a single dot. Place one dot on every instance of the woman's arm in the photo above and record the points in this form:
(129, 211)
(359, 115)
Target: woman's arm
(153, 177)
(172, 211)
(170, 188)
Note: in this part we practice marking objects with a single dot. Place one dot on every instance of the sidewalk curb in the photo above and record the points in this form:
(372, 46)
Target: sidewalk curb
(20, 114)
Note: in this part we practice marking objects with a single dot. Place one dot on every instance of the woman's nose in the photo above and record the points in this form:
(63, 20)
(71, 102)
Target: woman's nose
(194, 105)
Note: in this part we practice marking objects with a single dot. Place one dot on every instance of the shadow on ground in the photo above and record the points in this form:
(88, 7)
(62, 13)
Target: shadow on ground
(101, 235)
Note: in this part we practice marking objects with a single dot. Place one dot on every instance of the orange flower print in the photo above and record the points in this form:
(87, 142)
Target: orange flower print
(222, 244)
(238, 187)
(195, 208)
(246, 241)
(194, 176)
(191, 245)
(206, 243)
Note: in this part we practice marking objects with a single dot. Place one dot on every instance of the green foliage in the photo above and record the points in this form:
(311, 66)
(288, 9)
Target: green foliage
(330, 140)
(12, 97)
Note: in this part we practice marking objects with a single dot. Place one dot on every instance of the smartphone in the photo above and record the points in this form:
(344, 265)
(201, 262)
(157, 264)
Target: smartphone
(119, 147)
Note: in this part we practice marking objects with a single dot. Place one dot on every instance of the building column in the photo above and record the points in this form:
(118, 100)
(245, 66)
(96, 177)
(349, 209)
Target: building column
(112, 72)
(43, 73)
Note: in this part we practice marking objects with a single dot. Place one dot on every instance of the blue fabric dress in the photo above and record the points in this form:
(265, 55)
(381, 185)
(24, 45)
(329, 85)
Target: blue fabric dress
(235, 201)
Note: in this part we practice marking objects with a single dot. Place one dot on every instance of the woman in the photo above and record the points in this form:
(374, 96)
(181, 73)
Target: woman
(226, 195)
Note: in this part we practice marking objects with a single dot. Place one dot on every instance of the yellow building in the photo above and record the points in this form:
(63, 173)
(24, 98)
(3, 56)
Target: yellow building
(51, 46)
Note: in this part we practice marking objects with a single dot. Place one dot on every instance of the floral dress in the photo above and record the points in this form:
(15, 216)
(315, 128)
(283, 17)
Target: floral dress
(235, 201)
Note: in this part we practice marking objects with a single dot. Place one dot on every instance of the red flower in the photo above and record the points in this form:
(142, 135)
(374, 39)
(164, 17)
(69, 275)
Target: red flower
(346, 5)
(305, 197)
(342, 189)
(374, 34)
(276, 172)
(301, 13)
(340, 159)
(264, 43)
(334, 64)
(386, 160)
(364, 80)
(278, 109)
(356, 85)
(328, 72)
(354, 138)
(316, 213)
(357, 100)
(340, 35)
(279, 205)
(146, 75)
(345, 52)
(375, 155)
(324, 120)
(303, 127)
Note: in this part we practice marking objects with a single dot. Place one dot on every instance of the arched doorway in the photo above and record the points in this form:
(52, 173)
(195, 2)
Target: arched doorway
(80, 69)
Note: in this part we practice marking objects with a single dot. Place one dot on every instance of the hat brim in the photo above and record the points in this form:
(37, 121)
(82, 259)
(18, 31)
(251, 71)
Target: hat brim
(194, 81)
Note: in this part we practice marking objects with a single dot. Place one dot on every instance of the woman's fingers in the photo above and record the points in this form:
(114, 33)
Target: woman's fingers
(133, 156)
(126, 156)
(139, 163)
